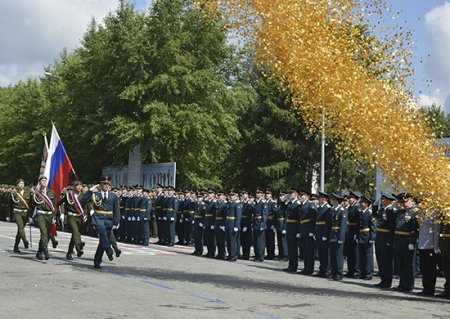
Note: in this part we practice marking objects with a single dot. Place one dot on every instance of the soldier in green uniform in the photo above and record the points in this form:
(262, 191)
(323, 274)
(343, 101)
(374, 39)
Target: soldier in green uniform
(71, 199)
(42, 199)
(20, 206)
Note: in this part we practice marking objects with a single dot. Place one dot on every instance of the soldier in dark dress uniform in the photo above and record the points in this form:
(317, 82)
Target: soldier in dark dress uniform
(219, 224)
(308, 214)
(337, 236)
(272, 208)
(280, 225)
(351, 246)
(232, 224)
(259, 225)
(322, 234)
(293, 231)
(209, 221)
(199, 220)
(366, 238)
(246, 225)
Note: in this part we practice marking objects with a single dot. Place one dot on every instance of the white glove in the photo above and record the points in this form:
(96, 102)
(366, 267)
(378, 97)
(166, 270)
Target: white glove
(187, 221)
(283, 232)
(129, 219)
(437, 251)
(324, 239)
(235, 229)
(244, 229)
(200, 225)
(371, 241)
(274, 231)
(311, 235)
(115, 227)
(261, 229)
(54, 220)
(272, 227)
(339, 241)
(357, 241)
(354, 237)
(123, 217)
(181, 220)
(92, 212)
(222, 228)
(8, 219)
(212, 227)
(193, 222)
(138, 219)
(93, 188)
(388, 244)
(164, 218)
(30, 220)
(298, 235)
(133, 218)
(411, 247)
(172, 219)
(159, 218)
(314, 237)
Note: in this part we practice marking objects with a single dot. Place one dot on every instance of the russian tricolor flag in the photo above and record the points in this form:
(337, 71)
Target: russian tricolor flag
(58, 166)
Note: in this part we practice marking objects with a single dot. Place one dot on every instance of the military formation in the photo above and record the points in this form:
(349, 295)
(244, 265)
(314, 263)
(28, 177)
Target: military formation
(323, 231)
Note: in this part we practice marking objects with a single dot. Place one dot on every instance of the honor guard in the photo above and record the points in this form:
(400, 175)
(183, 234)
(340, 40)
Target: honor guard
(385, 217)
(182, 200)
(232, 224)
(272, 208)
(337, 236)
(259, 225)
(123, 215)
(171, 214)
(280, 225)
(198, 223)
(209, 222)
(351, 245)
(366, 237)
(43, 201)
(405, 240)
(246, 225)
(20, 207)
(189, 211)
(219, 225)
(293, 230)
(308, 214)
(71, 199)
(105, 217)
(322, 234)
(159, 213)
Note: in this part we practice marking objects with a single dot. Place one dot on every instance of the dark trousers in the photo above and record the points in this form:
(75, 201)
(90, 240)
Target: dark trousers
(308, 254)
(292, 243)
(246, 242)
(123, 228)
(352, 252)
(160, 227)
(259, 243)
(21, 220)
(145, 231)
(210, 241)
(270, 243)
(336, 259)
(198, 239)
(187, 231)
(170, 232)
(103, 225)
(444, 244)
(180, 232)
(385, 260)
(428, 264)
(282, 245)
(231, 239)
(366, 259)
(323, 251)
(405, 260)
(220, 239)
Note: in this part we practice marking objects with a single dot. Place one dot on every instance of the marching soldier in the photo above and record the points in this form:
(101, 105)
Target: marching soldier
(366, 238)
(71, 200)
(351, 245)
(293, 231)
(20, 200)
(219, 225)
(270, 230)
(322, 234)
(384, 240)
(198, 223)
(405, 240)
(259, 225)
(246, 225)
(280, 225)
(232, 225)
(43, 200)
(337, 236)
(105, 217)
(308, 214)
(209, 221)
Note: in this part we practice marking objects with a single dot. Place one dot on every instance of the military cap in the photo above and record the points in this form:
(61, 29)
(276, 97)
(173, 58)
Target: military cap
(20, 180)
(75, 183)
(159, 186)
(251, 194)
(282, 191)
(233, 191)
(314, 196)
(354, 194)
(325, 195)
(363, 198)
(259, 190)
(244, 191)
(268, 191)
(104, 180)
(145, 190)
(387, 196)
(337, 196)
(170, 188)
(293, 189)
(42, 177)
(303, 192)
(220, 192)
(212, 190)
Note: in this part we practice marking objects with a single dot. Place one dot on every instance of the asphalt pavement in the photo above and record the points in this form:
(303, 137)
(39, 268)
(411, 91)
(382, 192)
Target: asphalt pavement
(168, 282)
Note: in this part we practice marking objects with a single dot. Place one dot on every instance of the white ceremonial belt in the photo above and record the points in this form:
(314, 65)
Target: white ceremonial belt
(44, 212)
(16, 210)
(73, 214)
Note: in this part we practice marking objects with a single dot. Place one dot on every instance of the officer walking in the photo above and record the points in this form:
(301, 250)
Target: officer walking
(20, 204)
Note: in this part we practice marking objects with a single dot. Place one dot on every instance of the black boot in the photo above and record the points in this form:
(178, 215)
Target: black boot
(118, 251)
(80, 251)
(82, 244)
(39, 254)
(16, 248)
(110, 254)
(26, 244)
(46, 256)
(54, 242)
(69, 256)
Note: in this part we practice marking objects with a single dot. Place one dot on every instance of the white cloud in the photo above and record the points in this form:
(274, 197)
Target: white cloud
(437, 97)
(34, 32)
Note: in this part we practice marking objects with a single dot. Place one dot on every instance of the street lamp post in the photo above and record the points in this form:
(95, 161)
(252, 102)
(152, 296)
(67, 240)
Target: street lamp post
(322, 155)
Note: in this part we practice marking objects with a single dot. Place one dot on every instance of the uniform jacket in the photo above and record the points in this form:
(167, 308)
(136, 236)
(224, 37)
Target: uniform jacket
(323, 222)
(308, 214)
(367, 229)
(260, 215)
(234, 213)
(293, 218)
(338, 224)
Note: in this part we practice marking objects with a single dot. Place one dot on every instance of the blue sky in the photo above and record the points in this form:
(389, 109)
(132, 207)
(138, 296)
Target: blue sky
(34, 32)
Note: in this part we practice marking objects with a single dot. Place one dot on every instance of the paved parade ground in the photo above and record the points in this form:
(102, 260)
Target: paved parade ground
(167, 282)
